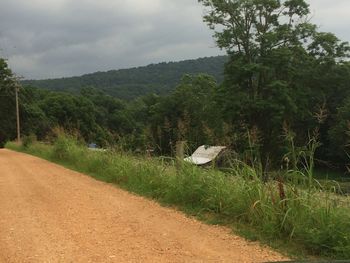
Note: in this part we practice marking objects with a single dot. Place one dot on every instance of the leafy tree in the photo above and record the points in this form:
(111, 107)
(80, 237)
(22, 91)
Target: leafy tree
(7, 104)
(189, 113)
(339, 135)
(273, 52)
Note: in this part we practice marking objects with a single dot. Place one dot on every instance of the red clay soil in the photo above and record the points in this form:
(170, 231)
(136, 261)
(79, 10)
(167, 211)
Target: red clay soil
(51, 214)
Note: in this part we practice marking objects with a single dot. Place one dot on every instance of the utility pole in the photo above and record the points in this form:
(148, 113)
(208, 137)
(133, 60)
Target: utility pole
(17, 112)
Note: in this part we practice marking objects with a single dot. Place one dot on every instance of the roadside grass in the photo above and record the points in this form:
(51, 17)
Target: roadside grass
(337, 179)
(301, 221)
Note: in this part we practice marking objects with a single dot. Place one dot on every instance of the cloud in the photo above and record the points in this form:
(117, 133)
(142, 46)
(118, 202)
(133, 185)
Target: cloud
(332, 16)
(56, 38)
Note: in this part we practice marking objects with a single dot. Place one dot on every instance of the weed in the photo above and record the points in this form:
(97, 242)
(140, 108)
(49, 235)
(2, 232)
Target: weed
(308, 218)
(28, 140)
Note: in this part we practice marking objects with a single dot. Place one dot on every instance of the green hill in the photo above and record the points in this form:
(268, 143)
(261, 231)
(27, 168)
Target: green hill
(134, 82)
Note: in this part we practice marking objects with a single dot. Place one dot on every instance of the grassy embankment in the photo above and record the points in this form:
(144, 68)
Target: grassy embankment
(299, 219)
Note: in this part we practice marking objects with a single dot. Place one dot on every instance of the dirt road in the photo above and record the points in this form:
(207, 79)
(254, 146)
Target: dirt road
(51, 214)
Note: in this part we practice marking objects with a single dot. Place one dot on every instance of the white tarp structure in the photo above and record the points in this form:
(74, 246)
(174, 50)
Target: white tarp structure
(205, 154)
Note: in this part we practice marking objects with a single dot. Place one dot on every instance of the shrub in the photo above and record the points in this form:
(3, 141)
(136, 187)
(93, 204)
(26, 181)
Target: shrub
(28, 140)
(67, 148)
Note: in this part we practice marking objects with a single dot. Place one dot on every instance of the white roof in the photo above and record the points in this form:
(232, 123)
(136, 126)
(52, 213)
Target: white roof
(205, 154)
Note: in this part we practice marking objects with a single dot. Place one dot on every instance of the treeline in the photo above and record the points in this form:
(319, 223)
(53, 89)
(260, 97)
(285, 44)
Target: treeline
(193, 112)
(131, 83)
(285, 93)
(148, 122)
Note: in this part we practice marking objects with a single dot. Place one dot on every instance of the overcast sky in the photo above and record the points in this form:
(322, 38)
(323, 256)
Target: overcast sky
(57, 38)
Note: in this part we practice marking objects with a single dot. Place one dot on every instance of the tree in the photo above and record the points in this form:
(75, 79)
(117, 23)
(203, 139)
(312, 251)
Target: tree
(7, 104)
(189, 113)
(273, 52)
(339, 134)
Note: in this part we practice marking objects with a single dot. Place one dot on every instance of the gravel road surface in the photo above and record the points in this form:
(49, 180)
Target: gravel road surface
(51, 214)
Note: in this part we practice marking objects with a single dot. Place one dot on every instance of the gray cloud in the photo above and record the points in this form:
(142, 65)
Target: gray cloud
(55, 38)
(332, 16)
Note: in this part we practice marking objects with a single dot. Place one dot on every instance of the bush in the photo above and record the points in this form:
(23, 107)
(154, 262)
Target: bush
(67, 148)
(28, 140)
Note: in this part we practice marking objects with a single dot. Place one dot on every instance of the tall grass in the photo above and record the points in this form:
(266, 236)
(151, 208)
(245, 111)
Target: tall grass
(315, 221)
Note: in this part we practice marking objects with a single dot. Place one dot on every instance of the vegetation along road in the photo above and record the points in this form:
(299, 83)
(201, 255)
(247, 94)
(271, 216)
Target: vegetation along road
(51, 214)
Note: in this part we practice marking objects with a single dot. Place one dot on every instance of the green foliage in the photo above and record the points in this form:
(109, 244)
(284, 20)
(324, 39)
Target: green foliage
(131, 83)
(281, 69)
(189, 113)
(7, 103)
(28, 140)
(339, 133)
(67, 149)
(286, 85)
(312, 220)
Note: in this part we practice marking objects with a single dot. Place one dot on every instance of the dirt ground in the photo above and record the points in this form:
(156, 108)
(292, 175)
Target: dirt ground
(51, 214)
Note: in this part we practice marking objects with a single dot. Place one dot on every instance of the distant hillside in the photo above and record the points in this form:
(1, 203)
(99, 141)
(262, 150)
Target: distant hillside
(130, 83)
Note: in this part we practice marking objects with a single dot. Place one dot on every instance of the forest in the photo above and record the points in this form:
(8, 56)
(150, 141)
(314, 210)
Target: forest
(284, 89)
(128, 84)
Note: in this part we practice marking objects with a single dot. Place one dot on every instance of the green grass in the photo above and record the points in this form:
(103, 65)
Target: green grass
(303, 222)
(339, 180)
